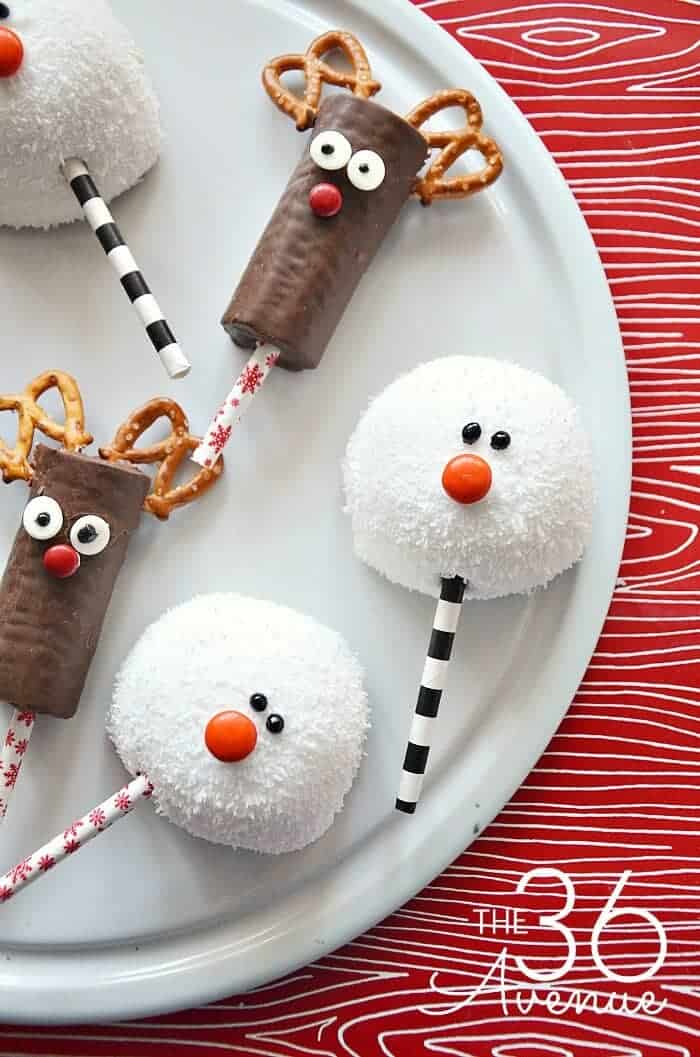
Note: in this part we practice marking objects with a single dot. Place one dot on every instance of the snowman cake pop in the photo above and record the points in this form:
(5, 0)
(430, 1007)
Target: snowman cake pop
(78, 111)
(251, 736)
(466, 478)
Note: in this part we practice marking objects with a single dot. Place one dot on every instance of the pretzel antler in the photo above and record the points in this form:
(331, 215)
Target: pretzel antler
(14, 462)
(170, 453)
(452, 146)
(316, 72)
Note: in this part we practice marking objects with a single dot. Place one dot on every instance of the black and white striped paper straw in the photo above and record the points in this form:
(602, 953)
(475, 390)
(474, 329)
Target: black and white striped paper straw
(119, 256)
(432, 685)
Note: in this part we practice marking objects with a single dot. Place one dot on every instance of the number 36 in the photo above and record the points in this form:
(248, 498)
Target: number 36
(607, 915)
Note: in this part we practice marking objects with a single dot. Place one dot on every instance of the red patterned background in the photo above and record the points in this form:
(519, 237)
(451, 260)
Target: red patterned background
(613, 89)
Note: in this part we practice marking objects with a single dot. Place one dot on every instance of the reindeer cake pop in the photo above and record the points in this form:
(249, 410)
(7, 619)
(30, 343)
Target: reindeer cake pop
(466, 478)
(77, 109)
(359, 169)
(250, 737)
(73, 540)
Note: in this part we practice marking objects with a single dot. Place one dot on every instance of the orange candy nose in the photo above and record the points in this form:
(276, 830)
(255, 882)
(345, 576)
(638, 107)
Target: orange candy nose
(230, 736)
(11, 52)
(467, 478)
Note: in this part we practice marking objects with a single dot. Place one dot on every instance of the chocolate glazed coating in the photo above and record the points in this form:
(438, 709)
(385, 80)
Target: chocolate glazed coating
(49, 628)
(306, 268)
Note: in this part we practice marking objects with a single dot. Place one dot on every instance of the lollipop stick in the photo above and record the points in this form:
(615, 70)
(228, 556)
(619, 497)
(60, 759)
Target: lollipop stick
(433, 683)
(12, 754)
(74, 838)
(145, 305)
(248, 383)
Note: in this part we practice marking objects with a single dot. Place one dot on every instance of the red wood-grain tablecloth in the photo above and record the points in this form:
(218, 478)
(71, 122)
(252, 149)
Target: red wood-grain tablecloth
(613, 88)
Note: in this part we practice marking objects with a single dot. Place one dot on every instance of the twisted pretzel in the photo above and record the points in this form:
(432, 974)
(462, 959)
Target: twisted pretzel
(316, 73)
(14, 462)
(170, 453)
(452, 145)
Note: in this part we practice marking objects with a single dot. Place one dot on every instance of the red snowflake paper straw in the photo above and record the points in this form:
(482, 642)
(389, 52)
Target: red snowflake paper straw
(13, 749)
(74, 838)
(236, 404)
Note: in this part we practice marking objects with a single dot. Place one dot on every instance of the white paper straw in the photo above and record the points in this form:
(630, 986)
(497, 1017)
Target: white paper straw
(80, 833)
(12, 755)
(234, 407)
(127, 271)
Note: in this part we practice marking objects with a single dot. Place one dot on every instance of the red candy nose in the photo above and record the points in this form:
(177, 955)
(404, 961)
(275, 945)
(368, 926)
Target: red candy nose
(61, 561)
(230, 736)
(11, 52)
(325, 200)
(467, 478)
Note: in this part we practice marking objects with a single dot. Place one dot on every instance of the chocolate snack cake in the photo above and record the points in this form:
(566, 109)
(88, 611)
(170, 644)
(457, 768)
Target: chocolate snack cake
(362, 164)
(75, 533)
(55, 591)
(306, 266)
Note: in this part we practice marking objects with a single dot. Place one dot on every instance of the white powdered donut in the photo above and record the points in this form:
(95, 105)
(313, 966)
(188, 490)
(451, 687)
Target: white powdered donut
(211, 654)
(533, 523)
(81, 91)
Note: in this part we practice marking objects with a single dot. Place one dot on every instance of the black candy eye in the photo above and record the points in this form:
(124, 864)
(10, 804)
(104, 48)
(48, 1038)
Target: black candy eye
(4, 11)
(471, 432)
(500, 440)
(275, 723)
(258, 702)
(327, 148)
(87, 534)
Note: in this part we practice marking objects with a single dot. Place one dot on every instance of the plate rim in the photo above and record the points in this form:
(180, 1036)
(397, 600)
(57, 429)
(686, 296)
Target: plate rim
(207, 964)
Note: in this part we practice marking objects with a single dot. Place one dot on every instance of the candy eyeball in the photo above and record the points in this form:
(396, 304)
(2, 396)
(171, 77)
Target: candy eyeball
(473, 467)
(90, 535)
(249, 719)
(42, 518)
(366, 170)
(330, 150)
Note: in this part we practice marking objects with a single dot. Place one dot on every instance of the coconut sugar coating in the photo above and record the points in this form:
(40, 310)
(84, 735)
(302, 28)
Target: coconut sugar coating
(80, 91)
(291, 738)
(470, 467)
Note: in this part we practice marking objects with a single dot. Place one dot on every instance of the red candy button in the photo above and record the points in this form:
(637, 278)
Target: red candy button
(325, 200)
(230, 736)
(466, 478)
(11, 52)
(61, 561)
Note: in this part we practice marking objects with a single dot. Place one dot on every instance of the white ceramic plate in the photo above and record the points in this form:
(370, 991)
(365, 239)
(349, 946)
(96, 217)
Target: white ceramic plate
(148, 919)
